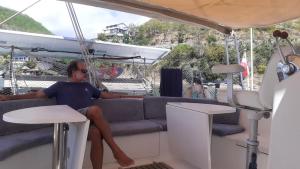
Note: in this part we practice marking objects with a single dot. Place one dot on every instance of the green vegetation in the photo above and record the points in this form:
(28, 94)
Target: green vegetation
(184, 56)
(263, 53)
(21, 22)
(199, 48)
(4, 60)
(179, 56)
(102, 36)
(147, 33)
(30, 64)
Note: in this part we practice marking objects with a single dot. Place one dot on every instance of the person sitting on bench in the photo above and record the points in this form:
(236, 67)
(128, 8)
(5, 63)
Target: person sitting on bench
(79, 95)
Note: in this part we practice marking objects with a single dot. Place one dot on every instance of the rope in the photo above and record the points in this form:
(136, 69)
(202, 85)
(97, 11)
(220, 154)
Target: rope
(81, 40)
(14, 15)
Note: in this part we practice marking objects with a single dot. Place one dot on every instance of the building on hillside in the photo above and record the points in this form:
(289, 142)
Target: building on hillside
(116, 30)
(20, 58)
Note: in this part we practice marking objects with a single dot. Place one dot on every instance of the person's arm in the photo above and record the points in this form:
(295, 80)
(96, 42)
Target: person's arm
(109, 95)
(45, 93)
(31, 95)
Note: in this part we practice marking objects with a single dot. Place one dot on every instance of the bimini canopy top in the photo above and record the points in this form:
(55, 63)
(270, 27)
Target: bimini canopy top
(48, 45)
(221, 15)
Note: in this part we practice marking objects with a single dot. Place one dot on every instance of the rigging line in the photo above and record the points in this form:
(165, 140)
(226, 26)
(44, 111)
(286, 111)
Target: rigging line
(116, 58)
(75, 29)
(78, 29)
(79, 34)
(88, 56)
(14, 15)
(80, 38)
(72, 17)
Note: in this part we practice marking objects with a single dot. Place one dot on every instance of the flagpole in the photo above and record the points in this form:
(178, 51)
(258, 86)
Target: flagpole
(251, 57)
(248, 78)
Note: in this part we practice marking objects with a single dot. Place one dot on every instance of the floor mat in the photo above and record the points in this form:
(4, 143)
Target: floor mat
(154, 165)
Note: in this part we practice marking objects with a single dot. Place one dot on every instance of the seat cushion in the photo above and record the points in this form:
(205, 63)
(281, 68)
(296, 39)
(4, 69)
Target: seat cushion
(161, 122)
(226, 129)
(218, 129)
(6, 106)
(121, 110)
(249, 99)
(229, 118)
(134, 127)
(14, 143)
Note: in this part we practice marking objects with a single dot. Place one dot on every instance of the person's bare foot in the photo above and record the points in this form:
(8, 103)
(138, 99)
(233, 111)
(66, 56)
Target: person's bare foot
(123, 159)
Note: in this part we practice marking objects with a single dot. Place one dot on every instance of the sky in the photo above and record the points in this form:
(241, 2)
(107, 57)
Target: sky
(54, 16)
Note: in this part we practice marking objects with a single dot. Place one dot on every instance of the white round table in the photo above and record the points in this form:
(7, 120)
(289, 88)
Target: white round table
(57, 115)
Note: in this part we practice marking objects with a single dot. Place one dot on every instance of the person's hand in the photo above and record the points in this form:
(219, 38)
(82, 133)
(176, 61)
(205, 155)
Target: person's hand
(3, 98)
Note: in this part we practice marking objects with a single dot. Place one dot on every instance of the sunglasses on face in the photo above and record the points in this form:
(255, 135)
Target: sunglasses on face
(84, 71)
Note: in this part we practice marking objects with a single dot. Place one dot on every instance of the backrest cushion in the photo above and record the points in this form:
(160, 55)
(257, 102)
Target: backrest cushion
(155, 108)
(119, 110)
(6, 106)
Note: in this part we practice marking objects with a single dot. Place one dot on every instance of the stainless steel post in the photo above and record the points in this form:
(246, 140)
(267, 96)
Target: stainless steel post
(65, 145)
(55, 156)
(252, 142)
(59, 147)
(226, 49)
(229, 81)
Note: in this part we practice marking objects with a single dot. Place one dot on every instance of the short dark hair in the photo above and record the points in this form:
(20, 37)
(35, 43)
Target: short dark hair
(198, 80)
(73, 67)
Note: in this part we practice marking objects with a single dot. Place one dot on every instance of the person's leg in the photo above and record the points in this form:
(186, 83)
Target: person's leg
(96, 148)
(95, 114)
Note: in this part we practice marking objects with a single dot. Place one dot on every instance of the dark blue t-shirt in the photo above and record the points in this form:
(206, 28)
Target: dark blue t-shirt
(77, 95)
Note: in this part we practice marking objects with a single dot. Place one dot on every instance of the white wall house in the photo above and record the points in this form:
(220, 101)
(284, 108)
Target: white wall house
(116, 30)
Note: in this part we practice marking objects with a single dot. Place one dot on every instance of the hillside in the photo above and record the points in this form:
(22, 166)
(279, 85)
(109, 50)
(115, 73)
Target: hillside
(21, 22)
(198, 48)
(163, 33)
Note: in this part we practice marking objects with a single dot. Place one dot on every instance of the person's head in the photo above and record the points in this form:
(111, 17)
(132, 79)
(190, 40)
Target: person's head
(198, 81)
(77, 71)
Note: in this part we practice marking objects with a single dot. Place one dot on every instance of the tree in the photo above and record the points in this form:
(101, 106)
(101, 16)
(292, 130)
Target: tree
(179, 56)
(185, 56)
(102, 36)
(141, 37)
(213, 55)
(30, 64)
(127, 39)
(182, 30)
(263, 53)
(211, 39)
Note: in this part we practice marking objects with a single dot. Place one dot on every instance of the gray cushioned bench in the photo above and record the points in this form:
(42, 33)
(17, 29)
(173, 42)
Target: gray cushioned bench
(126, 117)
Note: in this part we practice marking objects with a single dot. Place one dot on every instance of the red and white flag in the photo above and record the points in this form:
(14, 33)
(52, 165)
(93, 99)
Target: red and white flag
(246, 67)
